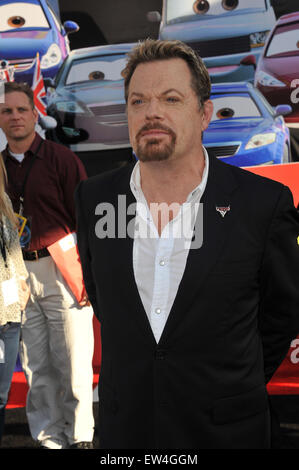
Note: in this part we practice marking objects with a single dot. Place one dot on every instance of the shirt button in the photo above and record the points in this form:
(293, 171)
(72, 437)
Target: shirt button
(158, 311)
(162, 262)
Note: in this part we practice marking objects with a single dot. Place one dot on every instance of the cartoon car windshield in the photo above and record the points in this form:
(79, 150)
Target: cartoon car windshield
(239, 106)
(97, 68)
(284, 41)
(29, 15)
(180, 11)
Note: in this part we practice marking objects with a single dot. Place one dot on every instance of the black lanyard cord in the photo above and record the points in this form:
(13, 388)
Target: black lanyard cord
(3, 244)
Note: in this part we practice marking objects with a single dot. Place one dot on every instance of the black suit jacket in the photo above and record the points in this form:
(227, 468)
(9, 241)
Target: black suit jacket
(236, 311)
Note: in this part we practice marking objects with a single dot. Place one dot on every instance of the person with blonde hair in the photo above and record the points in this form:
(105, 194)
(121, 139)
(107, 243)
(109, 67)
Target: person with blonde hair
(14, 293)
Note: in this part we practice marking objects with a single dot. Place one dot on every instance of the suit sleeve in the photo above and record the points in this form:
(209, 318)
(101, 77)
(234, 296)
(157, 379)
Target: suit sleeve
(279, 308)
(83, 247)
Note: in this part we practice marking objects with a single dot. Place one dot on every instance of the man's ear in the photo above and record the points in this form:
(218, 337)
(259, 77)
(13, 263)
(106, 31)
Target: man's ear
(207, 112)
(35, 112)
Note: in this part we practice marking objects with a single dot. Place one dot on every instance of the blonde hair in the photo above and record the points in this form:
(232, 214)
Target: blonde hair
(5, 204)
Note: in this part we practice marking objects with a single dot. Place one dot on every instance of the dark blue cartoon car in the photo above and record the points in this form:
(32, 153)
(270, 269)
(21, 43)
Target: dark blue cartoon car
(245, 130)
(29, 27)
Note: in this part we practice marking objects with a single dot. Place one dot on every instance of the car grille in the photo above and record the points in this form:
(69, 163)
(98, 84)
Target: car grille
(224, 150)
(21, 65)
(108, 110)
(225, 46)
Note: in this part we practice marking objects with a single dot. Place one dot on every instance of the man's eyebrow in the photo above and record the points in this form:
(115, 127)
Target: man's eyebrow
(136, 93)
(7, 108)
(169, 90)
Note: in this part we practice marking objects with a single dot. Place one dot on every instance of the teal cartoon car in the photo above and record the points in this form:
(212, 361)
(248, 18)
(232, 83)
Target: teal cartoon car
(223, 32)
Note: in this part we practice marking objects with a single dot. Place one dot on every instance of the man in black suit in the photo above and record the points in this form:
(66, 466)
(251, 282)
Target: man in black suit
(197, 285)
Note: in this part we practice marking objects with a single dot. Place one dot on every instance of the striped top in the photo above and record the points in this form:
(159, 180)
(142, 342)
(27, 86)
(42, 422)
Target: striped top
(14, 268)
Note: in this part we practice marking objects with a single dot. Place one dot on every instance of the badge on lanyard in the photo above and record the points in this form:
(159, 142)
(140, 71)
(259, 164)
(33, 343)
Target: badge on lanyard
(21, 224)
(10, 292)
(24, 230)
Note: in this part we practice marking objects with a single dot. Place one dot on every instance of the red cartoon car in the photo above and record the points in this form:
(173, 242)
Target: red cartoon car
(277, 73)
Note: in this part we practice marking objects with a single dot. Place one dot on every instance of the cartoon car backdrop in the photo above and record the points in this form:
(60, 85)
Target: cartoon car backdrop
(277, 74)
(28, 27)
(223, 32)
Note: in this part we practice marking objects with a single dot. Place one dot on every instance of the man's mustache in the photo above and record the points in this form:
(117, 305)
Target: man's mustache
(152, 126)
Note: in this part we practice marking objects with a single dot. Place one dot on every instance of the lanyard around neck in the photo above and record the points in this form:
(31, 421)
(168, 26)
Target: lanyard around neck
(21, 198)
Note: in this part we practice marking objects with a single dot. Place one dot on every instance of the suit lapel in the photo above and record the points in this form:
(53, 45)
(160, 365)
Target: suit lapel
(220, 192)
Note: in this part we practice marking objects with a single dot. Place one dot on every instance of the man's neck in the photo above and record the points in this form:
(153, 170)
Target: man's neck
(20, 146)
(171, 181)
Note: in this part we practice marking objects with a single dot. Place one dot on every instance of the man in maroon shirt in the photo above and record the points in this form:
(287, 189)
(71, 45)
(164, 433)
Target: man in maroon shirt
(57, 333)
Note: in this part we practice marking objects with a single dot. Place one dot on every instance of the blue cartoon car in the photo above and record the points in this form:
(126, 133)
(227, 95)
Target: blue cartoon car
(223, 32)
(245, 130)
(29, 27)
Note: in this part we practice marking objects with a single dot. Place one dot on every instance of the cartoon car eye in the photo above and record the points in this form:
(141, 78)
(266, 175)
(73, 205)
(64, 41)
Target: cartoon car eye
(16, 21)
(201, 7)
(18, 15)
(230, 4)
(235, 107)
(96, 75)
(225, 113)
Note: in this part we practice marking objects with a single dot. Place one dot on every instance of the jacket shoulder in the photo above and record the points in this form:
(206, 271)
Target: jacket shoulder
(105, 185)
(254, 185)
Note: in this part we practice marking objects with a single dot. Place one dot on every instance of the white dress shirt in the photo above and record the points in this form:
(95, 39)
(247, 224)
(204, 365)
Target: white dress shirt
(159, 261)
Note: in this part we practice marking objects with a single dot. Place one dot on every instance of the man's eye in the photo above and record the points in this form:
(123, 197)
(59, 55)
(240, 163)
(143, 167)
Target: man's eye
(172, 99)
(137, 101)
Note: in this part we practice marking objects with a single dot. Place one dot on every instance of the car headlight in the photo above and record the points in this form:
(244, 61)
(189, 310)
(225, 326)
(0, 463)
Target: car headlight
(52, 57)
(259, 140)
(258, 39)
(266, 79)
(69, 107)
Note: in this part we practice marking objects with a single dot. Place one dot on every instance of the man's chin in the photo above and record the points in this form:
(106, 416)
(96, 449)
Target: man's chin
(153, 157)
(152, 154)
(19, 135)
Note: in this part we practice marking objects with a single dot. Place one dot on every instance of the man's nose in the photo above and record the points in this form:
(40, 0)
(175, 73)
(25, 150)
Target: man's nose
(154, 109)
(15, 114)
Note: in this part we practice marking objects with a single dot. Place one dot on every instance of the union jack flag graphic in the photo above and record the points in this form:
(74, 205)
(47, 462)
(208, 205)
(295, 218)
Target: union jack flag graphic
(6, 72)
(38, 88)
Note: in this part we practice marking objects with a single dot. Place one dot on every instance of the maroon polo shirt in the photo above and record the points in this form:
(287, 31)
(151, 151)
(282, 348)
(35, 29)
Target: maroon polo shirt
(49, 192)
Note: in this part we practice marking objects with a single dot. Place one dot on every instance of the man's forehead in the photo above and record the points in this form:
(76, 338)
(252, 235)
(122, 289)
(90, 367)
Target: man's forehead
(161, 74)
(15, 99)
